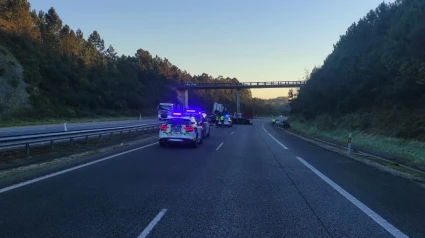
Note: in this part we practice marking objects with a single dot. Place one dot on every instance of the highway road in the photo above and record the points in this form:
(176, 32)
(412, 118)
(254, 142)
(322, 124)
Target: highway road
(25, 130)
(245, 181)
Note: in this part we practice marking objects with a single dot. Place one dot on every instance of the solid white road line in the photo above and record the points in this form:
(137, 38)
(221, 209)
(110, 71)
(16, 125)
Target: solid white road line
(2, 190)
(378, 219)
(263, 127)
(286, 148)
(151, 225)
(231, 133)
(219, 146)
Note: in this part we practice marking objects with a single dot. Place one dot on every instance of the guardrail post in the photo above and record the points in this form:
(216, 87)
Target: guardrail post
(27, 148)
(65, 128)
(87, 140)
(140, 116)
(52, 145)
(349, 144)
(100, 136)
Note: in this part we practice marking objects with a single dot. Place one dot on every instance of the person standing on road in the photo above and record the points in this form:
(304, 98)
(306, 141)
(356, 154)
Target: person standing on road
(273, 121)
(222, 121)
(216, 121)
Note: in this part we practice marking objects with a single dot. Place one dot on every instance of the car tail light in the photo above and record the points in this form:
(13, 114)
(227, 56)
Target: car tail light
(189, 128)
(163, 128)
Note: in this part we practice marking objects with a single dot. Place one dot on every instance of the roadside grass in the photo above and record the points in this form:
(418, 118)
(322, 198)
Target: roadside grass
(412, 151)
(30, 122)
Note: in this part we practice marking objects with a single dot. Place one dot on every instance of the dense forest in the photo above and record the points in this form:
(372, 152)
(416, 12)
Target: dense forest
(49, 70)
(374, 80)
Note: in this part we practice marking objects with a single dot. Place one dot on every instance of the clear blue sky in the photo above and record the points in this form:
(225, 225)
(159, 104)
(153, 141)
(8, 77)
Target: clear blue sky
(251, 40)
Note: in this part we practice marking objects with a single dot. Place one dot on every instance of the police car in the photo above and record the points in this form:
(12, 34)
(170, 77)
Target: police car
(201, 119)
(180, 129)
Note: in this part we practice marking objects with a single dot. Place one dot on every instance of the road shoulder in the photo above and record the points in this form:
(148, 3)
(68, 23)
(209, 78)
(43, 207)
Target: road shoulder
(376, 161)
(27, 172)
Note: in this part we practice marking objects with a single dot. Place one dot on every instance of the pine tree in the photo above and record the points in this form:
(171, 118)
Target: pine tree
(110, 52)
(97, 41)
(53, 25)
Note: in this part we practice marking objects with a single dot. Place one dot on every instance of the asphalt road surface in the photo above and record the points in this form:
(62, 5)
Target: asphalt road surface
(245, 181)
(27, 130)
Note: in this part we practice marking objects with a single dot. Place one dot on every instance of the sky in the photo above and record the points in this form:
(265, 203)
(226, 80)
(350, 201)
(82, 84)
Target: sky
(251, 40)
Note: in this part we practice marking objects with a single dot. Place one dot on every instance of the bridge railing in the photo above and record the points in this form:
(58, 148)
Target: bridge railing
(242, 84)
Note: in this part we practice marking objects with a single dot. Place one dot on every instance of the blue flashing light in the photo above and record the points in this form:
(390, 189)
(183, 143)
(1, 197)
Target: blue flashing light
(177, 114)
(190, 110)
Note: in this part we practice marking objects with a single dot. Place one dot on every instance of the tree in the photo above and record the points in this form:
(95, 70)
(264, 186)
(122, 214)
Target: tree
(52, 27)
(378, 67)
(15, 16)
(110, 52)
(97, 41)
(291, 94)
(68, 76)
(53, 22)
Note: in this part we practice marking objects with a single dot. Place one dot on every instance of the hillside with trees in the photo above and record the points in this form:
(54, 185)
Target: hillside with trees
(49, 70)
(374, 80)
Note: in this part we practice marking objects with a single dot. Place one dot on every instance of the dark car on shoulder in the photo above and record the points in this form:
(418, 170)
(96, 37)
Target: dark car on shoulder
(283, 124)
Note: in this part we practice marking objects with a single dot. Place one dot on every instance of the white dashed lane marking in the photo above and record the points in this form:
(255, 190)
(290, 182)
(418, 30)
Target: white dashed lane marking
(219, 146)
(151, 225)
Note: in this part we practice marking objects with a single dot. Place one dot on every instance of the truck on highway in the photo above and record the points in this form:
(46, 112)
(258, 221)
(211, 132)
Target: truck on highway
(165, 110)
(218, 110)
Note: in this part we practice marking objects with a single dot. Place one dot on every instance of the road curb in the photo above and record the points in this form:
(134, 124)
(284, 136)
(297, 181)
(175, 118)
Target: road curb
(383, 164)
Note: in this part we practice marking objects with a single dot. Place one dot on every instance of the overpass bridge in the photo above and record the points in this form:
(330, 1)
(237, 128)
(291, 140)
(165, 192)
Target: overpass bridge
(238, 86)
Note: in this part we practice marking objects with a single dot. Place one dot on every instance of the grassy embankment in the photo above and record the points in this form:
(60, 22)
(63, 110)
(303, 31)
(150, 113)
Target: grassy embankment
(412, 151)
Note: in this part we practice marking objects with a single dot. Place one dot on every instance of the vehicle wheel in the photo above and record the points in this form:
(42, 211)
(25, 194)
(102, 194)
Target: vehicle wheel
(208, 135)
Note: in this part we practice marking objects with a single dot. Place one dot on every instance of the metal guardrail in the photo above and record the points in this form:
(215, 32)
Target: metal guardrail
(27, 140)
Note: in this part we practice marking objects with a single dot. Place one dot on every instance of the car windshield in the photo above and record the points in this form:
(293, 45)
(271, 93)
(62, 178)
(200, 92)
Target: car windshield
(164, 107)
(178, 121)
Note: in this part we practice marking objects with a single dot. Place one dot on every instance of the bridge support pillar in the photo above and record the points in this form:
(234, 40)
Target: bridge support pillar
(186, 99)
(238, 100)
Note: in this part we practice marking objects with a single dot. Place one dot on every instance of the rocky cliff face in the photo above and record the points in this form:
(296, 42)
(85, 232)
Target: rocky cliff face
(13, 95)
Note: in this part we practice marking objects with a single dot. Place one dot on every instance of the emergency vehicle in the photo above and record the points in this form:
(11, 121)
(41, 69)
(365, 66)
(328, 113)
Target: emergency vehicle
(182, 130)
